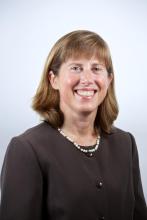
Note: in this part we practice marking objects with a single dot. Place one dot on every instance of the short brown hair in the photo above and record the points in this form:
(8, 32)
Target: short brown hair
(75, 44)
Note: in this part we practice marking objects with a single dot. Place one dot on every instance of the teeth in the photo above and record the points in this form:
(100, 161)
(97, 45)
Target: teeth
(85, 93)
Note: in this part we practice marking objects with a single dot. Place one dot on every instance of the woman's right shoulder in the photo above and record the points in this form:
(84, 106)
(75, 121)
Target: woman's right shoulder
(35, 136)
(33, 144)
(42, 129)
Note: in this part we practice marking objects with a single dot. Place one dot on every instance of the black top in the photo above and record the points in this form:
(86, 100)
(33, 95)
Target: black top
(45, 177)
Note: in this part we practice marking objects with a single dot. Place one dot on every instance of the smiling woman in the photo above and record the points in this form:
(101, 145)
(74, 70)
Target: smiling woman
(75, 164)
(87, 54)
(82, 87)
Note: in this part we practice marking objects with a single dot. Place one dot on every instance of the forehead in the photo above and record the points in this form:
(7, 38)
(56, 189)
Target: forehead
(84, 53)
(83, 59)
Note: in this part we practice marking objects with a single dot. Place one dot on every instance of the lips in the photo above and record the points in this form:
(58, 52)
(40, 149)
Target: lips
(85, 92)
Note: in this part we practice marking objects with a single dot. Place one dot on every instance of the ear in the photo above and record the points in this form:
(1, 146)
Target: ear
(110, 77)
(53, 80)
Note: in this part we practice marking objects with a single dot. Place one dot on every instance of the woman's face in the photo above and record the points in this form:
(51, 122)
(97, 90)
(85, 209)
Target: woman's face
(82, 85)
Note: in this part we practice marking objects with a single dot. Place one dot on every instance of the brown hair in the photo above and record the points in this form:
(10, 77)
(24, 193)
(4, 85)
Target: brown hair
(75, 44)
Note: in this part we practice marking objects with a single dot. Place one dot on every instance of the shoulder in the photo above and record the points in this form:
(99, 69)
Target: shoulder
(121, 138)
(34, 137)
(37, 132)
(117, 132)
(32, 146)
(38, 129)
(122, 143)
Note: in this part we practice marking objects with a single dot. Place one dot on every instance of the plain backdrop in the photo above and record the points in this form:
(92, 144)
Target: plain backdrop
(28, 30)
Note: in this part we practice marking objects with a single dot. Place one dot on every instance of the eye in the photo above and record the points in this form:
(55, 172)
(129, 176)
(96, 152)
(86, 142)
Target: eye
(98, 69)
(77, 69)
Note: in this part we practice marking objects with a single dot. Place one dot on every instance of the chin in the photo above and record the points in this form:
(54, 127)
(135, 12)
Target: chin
(87, 110)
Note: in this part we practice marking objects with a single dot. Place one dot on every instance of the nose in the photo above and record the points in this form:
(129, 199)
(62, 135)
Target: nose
(86, 77)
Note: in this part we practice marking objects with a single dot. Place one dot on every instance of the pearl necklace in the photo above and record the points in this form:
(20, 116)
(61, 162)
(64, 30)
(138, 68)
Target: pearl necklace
(84, 150)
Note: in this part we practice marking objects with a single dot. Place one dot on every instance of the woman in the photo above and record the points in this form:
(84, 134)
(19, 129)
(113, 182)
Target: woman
(75, 165)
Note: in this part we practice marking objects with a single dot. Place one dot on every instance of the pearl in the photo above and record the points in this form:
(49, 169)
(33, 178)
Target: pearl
(84, 150)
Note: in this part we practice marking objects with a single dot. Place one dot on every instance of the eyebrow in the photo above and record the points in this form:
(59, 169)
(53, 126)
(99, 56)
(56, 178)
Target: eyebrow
(75, 63)
(80, 64)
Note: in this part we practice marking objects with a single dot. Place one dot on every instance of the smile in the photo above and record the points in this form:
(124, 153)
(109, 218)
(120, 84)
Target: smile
(85, 93)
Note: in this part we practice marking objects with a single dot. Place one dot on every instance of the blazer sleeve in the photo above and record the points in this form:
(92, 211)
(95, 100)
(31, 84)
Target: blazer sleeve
(140, 209)
(21, 183)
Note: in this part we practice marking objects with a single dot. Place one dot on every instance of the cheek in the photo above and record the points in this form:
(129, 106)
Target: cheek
(66, 85)
(71, 81)
(102, 82)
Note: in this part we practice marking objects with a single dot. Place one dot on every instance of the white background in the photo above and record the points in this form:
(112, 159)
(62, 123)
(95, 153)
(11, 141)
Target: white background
(28, 30)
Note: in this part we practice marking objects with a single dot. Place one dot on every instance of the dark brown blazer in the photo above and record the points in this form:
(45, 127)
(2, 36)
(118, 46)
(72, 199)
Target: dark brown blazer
(45, 177)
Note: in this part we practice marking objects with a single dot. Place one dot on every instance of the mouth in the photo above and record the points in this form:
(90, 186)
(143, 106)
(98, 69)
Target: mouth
(85, 93)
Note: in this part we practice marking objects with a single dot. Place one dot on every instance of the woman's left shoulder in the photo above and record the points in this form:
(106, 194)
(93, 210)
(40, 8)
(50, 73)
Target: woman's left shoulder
(120, 132)
(121, 135)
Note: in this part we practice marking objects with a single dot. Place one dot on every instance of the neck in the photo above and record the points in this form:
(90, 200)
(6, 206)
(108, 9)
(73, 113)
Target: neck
(80, 128)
